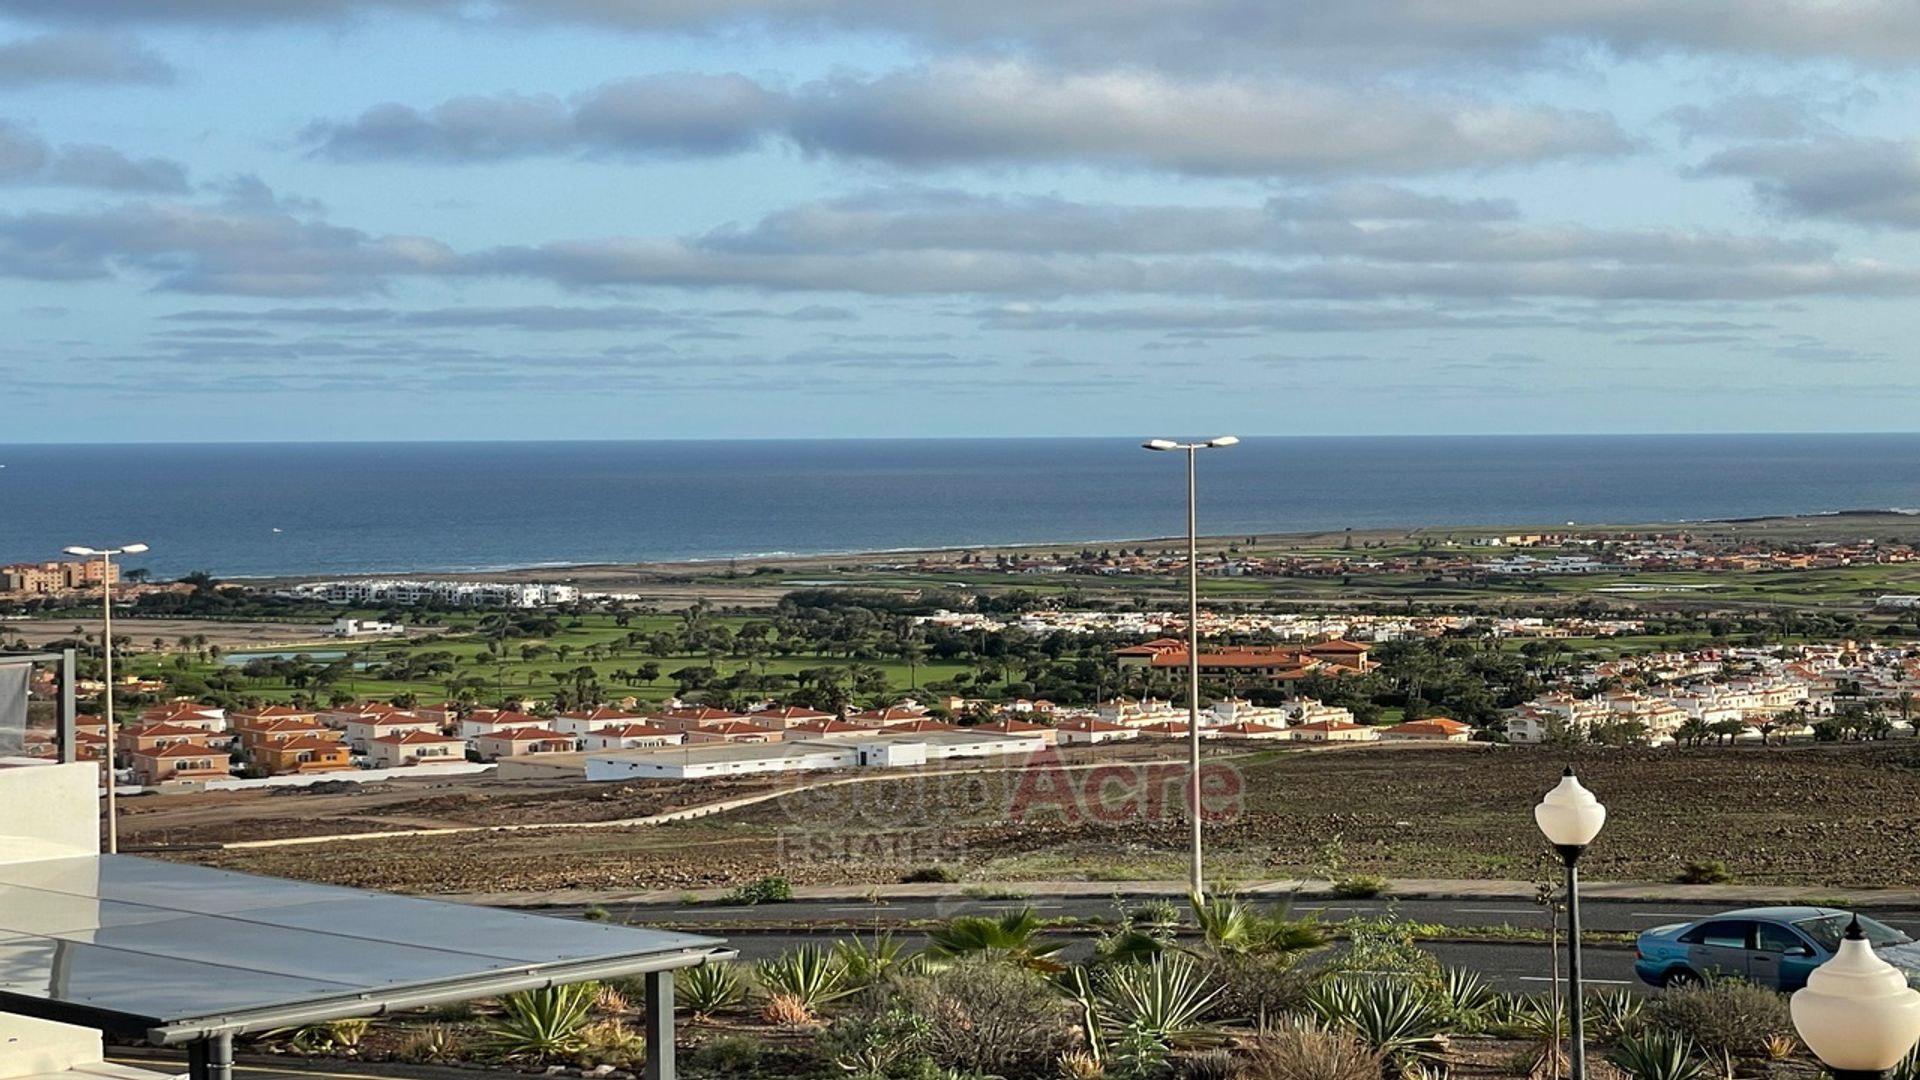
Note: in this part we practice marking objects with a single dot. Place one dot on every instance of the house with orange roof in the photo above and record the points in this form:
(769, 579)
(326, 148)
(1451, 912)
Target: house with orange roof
(1021, 728)
(187, 714)
(828, 728)
(1248, 729)
(404, 748)
(339, 718)
(1091, 729)
(782, 717)
(362, 731)
(730, 731)
(178, 762)
(256, 733)
(918, 727)
(243, 717)
(1434, 729)
(520, 742)
(303, 754)
(581, 722)
(1334, 731)
(629, 737)
(891, 715)
(492, 722)
(692, 717)
(134, 740)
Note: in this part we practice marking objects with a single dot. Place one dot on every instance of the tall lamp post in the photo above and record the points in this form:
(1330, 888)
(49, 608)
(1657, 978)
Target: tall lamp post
(105, 555)
(1856, 1012)
(1571, 817)
(1194, 884)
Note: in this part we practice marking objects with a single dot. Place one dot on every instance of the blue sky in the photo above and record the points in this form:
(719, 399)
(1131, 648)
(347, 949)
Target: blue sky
(370, 219)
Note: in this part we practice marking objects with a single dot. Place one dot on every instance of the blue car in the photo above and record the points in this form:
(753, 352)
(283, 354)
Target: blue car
(1771, 946)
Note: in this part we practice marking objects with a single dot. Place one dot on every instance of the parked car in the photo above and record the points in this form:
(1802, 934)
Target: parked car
(1771, 946)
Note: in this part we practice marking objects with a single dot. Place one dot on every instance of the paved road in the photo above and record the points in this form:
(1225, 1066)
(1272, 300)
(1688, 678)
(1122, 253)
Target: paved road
(1607, 915)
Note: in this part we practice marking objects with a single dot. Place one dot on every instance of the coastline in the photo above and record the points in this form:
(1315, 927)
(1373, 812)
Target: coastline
(1810, 527)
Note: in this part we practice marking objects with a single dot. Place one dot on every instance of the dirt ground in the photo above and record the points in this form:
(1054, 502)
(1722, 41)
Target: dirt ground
(1813, 816)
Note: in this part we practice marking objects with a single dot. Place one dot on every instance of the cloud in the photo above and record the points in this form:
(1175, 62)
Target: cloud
(1872, 182)
(210, 250)
(1210, 33)
(1749, 116)
(28, 159)
(79, 58)
(955, 113)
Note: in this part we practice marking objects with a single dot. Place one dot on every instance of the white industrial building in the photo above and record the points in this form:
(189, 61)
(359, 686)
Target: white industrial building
(376, 592)
(802, 755)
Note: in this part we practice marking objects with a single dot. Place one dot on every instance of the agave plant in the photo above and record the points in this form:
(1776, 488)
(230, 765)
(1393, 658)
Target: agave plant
(1165, 1000)
(709, 988)
(1658, 1055)
(863, 963)
(1470, 998)
(1013, 936)
(808, 975)
(1615, 1013)
(540, 1025)
(1389, 1015)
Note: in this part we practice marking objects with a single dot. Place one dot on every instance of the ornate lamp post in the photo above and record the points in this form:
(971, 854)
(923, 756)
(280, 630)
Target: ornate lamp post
(1857, 1013)
(1571, 817)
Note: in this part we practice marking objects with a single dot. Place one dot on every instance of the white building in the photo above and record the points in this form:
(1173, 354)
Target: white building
(377, 592)
(348, 628)
(877, 750)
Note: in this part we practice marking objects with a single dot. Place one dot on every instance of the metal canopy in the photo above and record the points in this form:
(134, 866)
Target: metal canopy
(176, 953)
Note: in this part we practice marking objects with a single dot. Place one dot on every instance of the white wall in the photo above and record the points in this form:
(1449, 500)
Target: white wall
(49, 811)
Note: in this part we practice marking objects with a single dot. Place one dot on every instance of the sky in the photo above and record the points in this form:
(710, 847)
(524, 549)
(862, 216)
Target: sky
(240, 220)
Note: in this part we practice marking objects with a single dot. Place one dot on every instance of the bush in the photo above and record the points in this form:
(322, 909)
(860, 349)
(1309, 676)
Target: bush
(873, 1044)
(1392, 1016)
(936, 874)
(989, 1017)
(1705, 872)
(706, 989)
(785, 1010)
(435, 1042)
(1728, 1019)
(1305, 1052)
(596, 914)
(766, 890)
(1657, 1055)
(540, 1025)
(727, 1055)
(1360, 887)
(1259, 989)
(610, 1042)
(863, 962)
(1206, 1065)
(807, 975)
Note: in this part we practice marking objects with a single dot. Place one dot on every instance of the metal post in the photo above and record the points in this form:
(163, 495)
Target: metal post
(69, 730)
(197, 1061)
(1194, 883)
(106, 653)
(1577, 1055)
(659, 1026)
(220, 1058)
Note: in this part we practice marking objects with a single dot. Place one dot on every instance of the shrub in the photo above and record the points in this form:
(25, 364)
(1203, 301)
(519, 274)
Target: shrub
(874, 1045)
(766, 890)
(1391, 1016)
(1705, 872)
(706, 989)
(596, 914)
(435, 1042)
(1657, 1055)
(1214, 1064)
(728, 1055)
(1613, 1014)
(785, 1010)
(864, 962)
(1165, 1000)
(610, 999)
(1725, 1018)
(807, 975)
(1360, 887)
(1079, 1065)
(988, 1017)
(936, 874)
(610, 1042)
(1259, 989)
(1306, 1052)
(540, 1025)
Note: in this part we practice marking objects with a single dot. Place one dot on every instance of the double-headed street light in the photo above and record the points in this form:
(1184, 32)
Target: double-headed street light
(1194, 883)
(105, 555)
(1571, 817)
(1857, 1013)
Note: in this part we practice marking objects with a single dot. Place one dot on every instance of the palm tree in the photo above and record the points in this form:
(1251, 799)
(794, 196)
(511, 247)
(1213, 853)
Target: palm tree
(1693, 731)
(1013, 937)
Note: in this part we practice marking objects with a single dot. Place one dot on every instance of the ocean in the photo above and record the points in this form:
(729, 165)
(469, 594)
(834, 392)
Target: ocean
(321, 509)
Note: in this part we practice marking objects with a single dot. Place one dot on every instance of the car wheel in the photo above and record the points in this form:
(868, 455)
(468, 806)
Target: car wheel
(1679, 979)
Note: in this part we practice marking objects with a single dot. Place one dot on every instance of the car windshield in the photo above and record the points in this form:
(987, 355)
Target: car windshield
(1827, 930)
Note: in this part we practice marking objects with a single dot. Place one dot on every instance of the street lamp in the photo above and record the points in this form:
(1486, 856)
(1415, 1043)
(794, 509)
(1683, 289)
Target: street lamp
(1856, 1012)
(105, 556)
(1194, 884)
(1571, 817)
